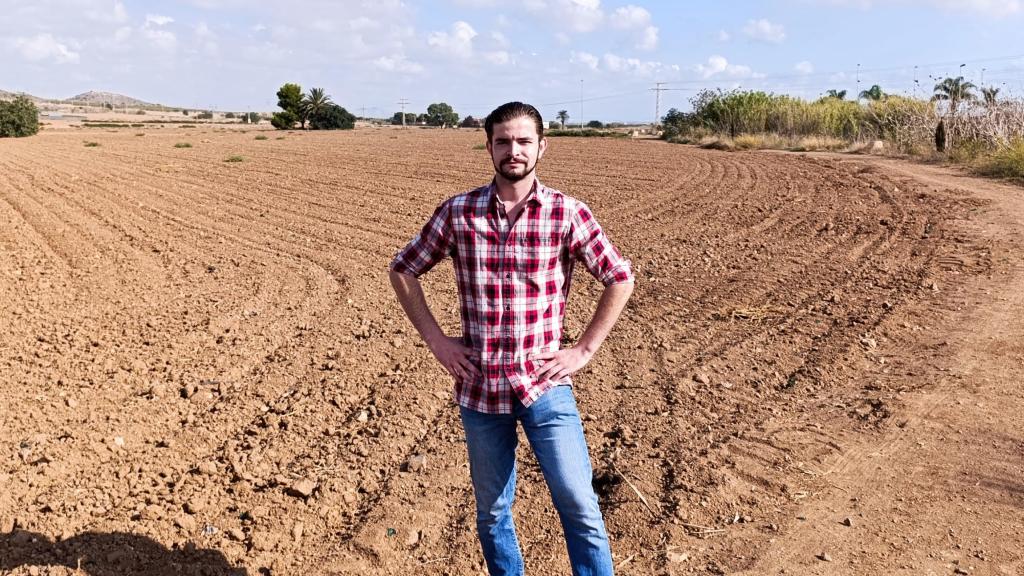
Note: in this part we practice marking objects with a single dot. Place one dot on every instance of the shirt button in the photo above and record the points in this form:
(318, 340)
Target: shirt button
(508, 275)
(506, 307)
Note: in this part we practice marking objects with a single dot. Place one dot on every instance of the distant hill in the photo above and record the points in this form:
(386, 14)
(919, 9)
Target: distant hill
(90, 98)
(94, 98)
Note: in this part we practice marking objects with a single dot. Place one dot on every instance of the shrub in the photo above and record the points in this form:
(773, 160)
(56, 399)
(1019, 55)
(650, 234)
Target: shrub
(18, 117)
(234, 158)
(229, 115)
(283, 120)
(480, 147)
(183, 145)
(260, 137)
(1007, 162)
(91, 144)
(595, 124)
(205, 116)
(332, 117)
(140, 112)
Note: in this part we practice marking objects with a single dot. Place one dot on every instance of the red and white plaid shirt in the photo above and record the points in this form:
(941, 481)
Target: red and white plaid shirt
(513, 281)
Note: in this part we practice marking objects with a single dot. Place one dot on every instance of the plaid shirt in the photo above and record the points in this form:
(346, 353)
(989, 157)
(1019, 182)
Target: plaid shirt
(513, 280)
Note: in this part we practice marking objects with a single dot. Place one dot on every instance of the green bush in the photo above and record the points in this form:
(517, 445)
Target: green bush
(260, 137)
(595, 124)
(332, 117)
(235, 158)
(18, 117)
(183, 145)
(283, 120)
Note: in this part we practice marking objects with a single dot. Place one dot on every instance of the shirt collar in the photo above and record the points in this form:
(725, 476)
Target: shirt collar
(538, 195)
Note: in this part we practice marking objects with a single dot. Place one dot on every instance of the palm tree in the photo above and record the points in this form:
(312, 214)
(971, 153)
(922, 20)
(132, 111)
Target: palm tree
(990, 95)
(313, 103)
(837, 94)
(563, 117)
(955, 90)
(874, 93)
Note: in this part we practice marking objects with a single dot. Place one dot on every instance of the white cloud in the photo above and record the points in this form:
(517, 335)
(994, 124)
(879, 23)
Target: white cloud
(158, 20)
(499, 39)
(648, 39)
(765, 31)
(719, 65)
(804, 67)
(630, 17)
(585, 58)
(398, 64)
(638, 20)
(458, 42)
(576, 15)
(162, 39)
(498, 57)
(724, 36)
(45, 47)
(615, 63)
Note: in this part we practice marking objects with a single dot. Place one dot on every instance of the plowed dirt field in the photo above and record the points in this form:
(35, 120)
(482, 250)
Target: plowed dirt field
(203, 369)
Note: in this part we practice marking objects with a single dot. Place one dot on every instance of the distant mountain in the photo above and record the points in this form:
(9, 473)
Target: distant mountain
(94, 98)
(90, 98)
(5, 95)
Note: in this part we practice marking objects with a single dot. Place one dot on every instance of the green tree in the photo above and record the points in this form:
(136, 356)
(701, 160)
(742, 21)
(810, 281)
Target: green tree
(595, 124)
(441, 114)
(332, 117)
(837, 94)
(283, 120)
(563, 117)
(315, 101)
(954, 91)
(18, 117)
(254, 117)
(873, 94)
(289, 99)
(410, 118)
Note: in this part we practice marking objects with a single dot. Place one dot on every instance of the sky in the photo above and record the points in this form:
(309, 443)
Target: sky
(596, 59)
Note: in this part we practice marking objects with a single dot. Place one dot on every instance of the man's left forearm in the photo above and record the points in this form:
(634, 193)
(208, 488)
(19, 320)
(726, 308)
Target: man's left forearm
(612, 301)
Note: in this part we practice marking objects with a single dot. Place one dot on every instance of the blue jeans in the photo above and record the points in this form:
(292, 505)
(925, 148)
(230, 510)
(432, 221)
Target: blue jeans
(552, 425)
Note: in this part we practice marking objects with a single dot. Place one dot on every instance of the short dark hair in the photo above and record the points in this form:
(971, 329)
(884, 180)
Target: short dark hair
(511, 111)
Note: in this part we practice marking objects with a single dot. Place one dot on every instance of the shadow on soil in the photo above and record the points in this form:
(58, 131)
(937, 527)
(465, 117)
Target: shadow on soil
(110, 554)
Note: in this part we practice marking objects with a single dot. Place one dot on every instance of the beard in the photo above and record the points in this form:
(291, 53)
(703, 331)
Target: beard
(515, 174)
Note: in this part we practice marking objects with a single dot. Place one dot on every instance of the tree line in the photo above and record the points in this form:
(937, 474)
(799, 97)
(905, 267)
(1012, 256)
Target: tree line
(314, 108)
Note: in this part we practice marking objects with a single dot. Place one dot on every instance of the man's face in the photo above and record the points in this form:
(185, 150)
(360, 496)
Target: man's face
(515, 148)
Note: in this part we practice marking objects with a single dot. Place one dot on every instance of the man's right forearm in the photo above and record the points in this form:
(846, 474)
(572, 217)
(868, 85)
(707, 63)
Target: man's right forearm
(410, 296)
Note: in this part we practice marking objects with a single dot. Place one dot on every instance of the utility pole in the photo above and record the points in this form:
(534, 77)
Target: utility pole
(581, 104)
(657, 104)
(403, 102)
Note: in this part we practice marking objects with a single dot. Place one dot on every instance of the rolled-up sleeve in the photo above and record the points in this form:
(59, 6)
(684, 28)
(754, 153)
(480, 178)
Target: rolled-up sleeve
(591, 246)
(429, 247)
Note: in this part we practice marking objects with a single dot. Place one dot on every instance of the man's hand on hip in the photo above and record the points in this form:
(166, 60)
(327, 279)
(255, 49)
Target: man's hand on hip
(561, 363)
(457, 358)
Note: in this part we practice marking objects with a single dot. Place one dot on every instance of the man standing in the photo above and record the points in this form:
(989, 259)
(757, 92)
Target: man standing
(514, 243)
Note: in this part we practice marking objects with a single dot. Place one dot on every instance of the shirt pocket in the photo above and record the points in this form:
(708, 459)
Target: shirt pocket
(541, 255)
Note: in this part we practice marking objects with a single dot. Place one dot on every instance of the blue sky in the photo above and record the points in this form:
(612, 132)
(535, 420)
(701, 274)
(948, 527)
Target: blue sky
(476, 54)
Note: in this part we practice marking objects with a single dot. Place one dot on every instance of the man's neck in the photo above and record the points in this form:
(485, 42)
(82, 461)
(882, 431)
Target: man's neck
(514, 192)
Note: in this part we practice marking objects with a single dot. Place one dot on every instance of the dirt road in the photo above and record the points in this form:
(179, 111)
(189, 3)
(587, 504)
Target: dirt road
(204, 367)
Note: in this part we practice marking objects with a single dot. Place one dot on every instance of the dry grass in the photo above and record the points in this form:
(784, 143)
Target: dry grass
(1007, 162)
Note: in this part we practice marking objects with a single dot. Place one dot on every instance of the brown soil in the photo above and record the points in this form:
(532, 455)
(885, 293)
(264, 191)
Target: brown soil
(204, 370)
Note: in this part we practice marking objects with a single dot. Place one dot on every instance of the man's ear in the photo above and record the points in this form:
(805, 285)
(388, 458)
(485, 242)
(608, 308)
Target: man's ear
(541, 147)
(489, 147)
